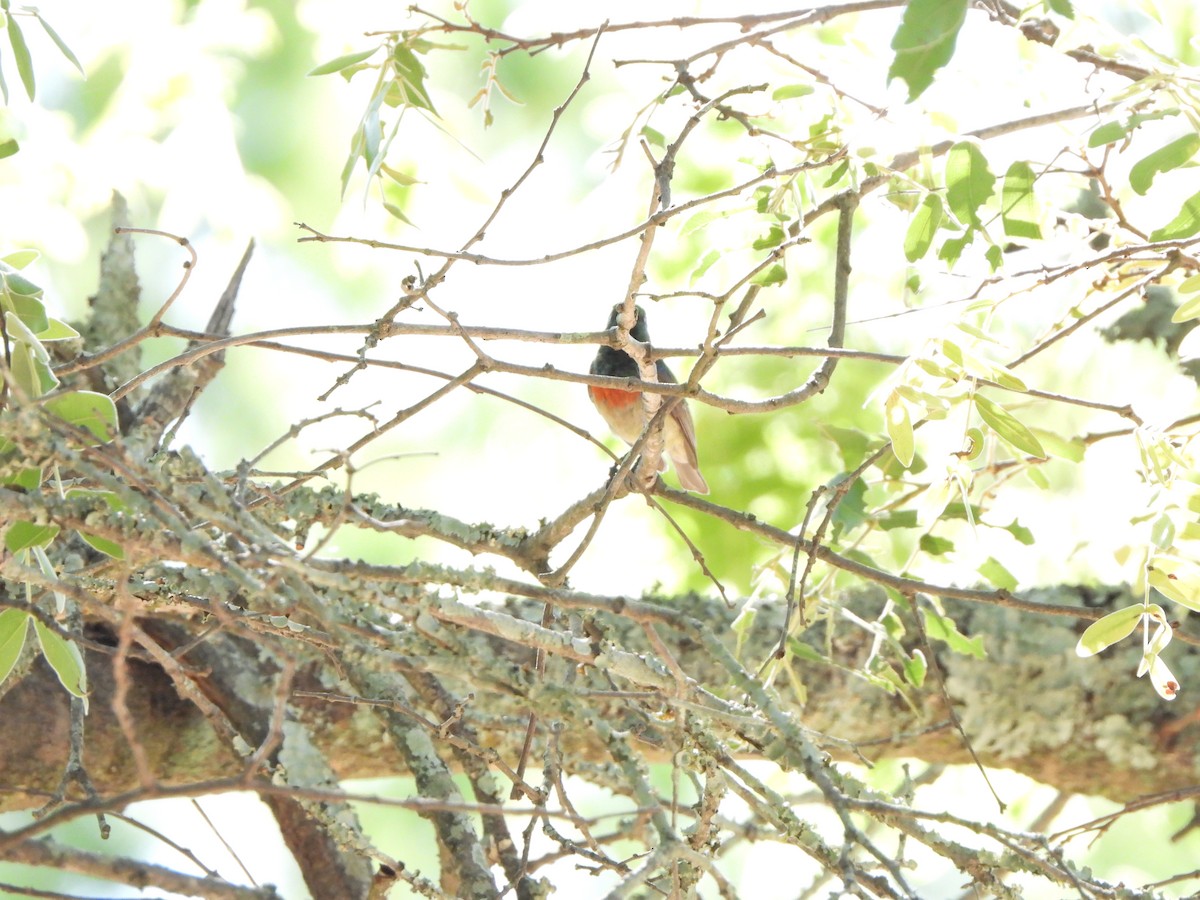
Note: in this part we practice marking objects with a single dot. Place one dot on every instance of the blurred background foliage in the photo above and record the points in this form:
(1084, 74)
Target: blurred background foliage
(201, 114)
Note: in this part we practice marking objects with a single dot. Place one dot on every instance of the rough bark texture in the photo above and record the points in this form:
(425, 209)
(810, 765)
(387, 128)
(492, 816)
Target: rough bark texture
(1031, 705)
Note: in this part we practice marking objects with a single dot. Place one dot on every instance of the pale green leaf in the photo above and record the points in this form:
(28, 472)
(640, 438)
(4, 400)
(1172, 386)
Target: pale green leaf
(1184, 225)
(704, 265)
(654, 137)
(900, 430)
(1109, 630)
(790, 91)
(776, 274)
(1108, 133)
(1019, 211)
(925, 40)
(19, 259)
(29, 309)
(915, 668)
(14, 627)
(1176, 579)
(1005, 425)
(1188, 310)
(64, 658)
(413, 75)
(56, 330)
(1164, 159)
(62, 46)
(21, 55)
(969, 182)
(995, 572)
(23, 535)
(104, 545)
(89, 410)
(1162, 532)
(342, 62)
(924, 225)
(943, 629)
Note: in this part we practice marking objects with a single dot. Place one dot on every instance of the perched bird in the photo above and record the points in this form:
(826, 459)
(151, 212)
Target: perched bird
(622, 409)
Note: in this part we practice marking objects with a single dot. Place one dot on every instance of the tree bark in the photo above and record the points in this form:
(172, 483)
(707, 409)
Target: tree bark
(1081, 725)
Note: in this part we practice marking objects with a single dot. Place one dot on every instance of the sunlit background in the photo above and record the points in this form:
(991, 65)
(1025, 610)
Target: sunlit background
(202, 116)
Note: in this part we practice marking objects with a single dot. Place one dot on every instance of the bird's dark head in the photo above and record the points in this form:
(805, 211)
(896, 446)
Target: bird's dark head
(638, 332)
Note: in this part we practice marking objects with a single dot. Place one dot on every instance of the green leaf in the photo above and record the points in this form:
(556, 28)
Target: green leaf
(969, 182)
(104, 545)
(837, 173)
(852, 511)
(56, 330)
(22, 535)
(705, 264)
(1062, 7)
(1072, 449)
(21, 55)
(1184, 225)
(16, 283)
(743, 624)
(922, 228)
(936, 546)
(342, 62)
(801, 650)
(1018, 209)
(29, 310)
(1007, 427)
(915, 669)
(1187, 311)
(4, 91)
(14, 627)
(1038, 477)
(1109, 630)
(653, 137)
(952, 248)
(773, 238)
(19, 259)
(1189, 285)
(89, 410)
(899, 429)
(944, 629)
(64, 658)
(924, 42)
(902, 518)
(791, 91)
(1108, 133)
(397, 176)
(62, 45)
(993, 570)
(413, 75)
(1177, 579)
(9, 147)
(30, 372)
(1020, 532)
(1162, 532)
(1164, 159)
(776, 274)
(394, 210)
(28, 479)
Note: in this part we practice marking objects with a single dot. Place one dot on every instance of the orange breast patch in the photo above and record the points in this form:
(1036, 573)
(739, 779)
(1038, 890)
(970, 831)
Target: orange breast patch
(613, 396)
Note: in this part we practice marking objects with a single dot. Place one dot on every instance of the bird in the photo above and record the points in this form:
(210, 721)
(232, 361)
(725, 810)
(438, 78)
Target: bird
(622, 409)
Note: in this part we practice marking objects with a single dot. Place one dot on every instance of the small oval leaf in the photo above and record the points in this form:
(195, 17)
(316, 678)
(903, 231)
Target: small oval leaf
(1109, 630)
(64, 658)
(342, 62)
(89, 410)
